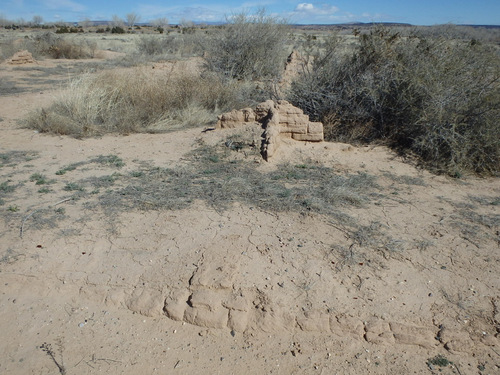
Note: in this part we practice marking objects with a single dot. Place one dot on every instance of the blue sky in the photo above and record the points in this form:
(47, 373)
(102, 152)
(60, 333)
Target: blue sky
(418, 12)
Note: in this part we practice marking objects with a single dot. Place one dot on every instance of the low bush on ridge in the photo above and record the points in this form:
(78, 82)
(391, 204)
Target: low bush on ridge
(435, 97)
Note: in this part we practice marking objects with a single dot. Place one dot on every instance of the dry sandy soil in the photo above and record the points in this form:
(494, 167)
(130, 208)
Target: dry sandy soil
(405, 280)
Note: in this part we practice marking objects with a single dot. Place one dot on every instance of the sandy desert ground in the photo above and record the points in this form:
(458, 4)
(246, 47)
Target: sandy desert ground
(97, 277)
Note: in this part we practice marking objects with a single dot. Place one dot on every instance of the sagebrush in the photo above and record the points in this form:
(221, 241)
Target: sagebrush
(249, 47)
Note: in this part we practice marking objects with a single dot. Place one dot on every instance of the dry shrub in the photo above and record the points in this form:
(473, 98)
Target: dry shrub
(51, 45)
(60, 47)
(182, 45)
(64, 49)
(249, 47)
(8, 48)
(435, 97)
(137, 100)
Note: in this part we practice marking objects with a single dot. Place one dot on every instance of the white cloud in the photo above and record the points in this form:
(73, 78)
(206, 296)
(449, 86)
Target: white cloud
(324, 9)
(304, 7)
(315, 10)
(326, 13)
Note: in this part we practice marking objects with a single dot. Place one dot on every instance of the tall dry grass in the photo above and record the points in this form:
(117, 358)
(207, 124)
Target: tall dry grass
(138, 100)
(49, 44)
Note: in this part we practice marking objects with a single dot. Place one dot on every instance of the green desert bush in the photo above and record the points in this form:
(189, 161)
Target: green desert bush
(137, 100)
(66, 30)
(249, 47)
(436, 98)
(118, 30)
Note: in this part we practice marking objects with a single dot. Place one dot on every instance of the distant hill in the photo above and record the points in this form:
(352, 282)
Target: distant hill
(349, 25)
(361, 25)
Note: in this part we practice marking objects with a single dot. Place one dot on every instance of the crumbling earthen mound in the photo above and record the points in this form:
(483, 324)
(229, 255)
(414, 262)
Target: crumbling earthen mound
(278, 119)
(21, 58)
(295, 65)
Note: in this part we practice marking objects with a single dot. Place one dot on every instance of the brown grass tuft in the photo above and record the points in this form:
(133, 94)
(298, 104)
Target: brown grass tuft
(137, 100)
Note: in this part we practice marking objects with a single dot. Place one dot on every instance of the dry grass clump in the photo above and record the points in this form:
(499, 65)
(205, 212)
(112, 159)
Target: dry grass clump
(51, 45)
(182, 45)
(137, 100)
(435, 97)
(59, 47)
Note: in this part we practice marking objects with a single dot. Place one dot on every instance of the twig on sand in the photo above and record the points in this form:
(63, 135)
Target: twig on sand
(24, 221)
(47, 348)
(458, 369)
(94, 361)
(64, 200)
(38, 209)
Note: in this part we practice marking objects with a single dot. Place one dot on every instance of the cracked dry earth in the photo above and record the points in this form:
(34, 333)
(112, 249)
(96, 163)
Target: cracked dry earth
(411, 288)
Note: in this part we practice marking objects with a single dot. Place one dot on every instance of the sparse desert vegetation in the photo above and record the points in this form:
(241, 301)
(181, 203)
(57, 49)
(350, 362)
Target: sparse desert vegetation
(133, 100)
(138, 238)
(395, 86)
